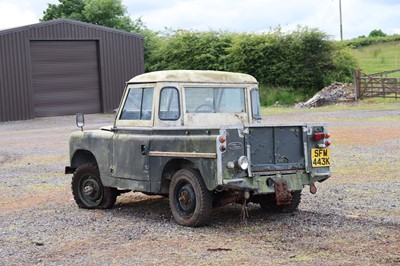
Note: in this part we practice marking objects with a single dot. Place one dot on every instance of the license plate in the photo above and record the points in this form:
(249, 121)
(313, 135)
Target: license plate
(320, 157)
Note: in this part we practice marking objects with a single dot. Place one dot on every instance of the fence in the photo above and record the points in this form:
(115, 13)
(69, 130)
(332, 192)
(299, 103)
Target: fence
(376, 85)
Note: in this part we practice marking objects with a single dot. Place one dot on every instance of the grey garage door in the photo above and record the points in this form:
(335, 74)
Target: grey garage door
(65, 76)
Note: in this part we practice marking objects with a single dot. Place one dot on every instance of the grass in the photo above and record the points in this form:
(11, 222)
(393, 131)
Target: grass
(280, 95)
(367, 104)
(375, 58)
(379, 58)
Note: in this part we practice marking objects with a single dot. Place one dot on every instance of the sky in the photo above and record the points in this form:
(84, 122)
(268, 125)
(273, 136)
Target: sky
(359, 17)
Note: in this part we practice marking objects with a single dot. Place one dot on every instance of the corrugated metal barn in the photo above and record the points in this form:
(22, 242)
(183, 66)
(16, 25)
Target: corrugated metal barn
(63, 67)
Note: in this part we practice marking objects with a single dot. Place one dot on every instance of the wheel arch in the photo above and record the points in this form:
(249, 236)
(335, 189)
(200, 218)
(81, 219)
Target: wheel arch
(173, 166)
(203, 166)
(82, 157)
(170, 168)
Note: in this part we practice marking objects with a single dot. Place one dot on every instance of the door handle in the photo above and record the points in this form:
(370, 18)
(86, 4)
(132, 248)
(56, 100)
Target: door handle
(143, 149)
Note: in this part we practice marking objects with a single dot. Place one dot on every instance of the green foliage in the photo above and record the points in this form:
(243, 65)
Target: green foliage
(377, 33)
(72, 9)
(379, 57)
(109, 13)
(280, 95)
(183, 49)
(363, 41)
(344, 62)
(302, 59)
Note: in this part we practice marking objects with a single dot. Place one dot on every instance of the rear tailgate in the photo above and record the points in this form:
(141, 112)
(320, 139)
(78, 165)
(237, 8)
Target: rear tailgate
(276, 148)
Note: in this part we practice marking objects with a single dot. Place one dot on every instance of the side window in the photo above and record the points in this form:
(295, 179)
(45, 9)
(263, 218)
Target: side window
(255, 104)
(138, 105)
(169, 104)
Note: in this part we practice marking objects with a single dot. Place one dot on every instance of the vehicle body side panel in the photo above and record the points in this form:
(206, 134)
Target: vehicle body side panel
(96, 142)
(188, 147)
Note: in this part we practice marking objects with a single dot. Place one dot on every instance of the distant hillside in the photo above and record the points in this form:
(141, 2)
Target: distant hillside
(379, 57)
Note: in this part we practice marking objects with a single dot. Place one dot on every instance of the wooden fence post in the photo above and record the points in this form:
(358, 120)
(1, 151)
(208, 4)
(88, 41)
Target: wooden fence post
(357, 85)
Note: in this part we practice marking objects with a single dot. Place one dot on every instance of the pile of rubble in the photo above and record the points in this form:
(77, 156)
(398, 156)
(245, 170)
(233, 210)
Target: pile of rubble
(335, 93)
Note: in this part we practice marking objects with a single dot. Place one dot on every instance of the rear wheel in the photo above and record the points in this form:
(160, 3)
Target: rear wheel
(189, 199)
(268, 203)
(89, 192)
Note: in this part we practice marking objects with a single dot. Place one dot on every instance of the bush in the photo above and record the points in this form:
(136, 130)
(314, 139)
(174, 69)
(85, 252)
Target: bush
(363, 41)
(304, 60)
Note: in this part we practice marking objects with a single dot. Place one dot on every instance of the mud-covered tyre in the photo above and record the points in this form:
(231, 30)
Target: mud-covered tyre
(88, 191)
(268, 203)
(189, 199)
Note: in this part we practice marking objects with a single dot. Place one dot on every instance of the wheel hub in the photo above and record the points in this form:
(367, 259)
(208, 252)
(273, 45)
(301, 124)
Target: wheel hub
(91, 191)
(186, 198)
(88, 190)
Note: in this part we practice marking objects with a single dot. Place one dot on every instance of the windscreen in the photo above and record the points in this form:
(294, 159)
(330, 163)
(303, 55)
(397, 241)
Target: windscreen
(215, 100)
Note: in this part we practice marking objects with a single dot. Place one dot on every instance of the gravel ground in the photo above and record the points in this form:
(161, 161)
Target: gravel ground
(354, 219)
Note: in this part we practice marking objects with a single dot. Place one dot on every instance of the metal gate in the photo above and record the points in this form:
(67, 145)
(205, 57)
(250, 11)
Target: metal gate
(376, 85)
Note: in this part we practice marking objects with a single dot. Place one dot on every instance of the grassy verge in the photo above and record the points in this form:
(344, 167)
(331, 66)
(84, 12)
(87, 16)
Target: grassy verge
(366, 104)
(379, 58)
(281, 95)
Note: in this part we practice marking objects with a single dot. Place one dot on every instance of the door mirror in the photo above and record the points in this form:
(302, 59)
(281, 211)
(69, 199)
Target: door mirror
(80, 120)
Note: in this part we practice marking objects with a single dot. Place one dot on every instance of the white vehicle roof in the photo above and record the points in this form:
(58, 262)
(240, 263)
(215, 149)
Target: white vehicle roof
(194, 76)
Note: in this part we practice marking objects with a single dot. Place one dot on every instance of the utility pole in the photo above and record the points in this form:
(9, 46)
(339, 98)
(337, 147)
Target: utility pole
(341, 26)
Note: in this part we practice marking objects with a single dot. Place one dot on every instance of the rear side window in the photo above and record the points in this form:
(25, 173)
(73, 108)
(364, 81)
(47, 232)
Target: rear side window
(138, 104)
(169, 104)
(255, 104)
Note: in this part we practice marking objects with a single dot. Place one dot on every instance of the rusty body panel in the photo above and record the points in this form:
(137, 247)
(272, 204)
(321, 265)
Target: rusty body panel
(208, 122)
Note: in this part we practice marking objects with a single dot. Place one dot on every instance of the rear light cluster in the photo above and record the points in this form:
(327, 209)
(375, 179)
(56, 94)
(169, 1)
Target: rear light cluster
(318, 136)
(222, 143)
(242, 163)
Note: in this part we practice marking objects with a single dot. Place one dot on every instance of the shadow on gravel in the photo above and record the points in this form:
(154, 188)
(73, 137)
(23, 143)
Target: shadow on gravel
(156, 209)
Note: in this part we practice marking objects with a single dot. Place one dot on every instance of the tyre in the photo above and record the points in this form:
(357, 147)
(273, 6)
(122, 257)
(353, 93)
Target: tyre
(189, 199)
(268, 203)
(89, 192)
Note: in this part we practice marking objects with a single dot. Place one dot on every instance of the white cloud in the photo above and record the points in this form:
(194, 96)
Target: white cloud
(14, 15)
(360, 17)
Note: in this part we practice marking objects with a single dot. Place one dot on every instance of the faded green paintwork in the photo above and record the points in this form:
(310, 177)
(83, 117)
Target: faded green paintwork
(144, 155)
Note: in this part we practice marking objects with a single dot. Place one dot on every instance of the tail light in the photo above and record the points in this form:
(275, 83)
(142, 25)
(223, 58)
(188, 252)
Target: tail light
(318, 136)
(327, 143)
(222, 143)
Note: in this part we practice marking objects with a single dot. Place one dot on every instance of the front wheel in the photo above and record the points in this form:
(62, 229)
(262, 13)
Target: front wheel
(189, 199)
(268, 203)
(89, 192)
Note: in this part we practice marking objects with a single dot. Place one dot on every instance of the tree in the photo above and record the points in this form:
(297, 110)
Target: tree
(185, 49)
(109, 13)
(72, 9)
(301, 59)
(377, 33)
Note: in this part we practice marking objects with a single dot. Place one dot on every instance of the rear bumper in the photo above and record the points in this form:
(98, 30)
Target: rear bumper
(264, 184)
